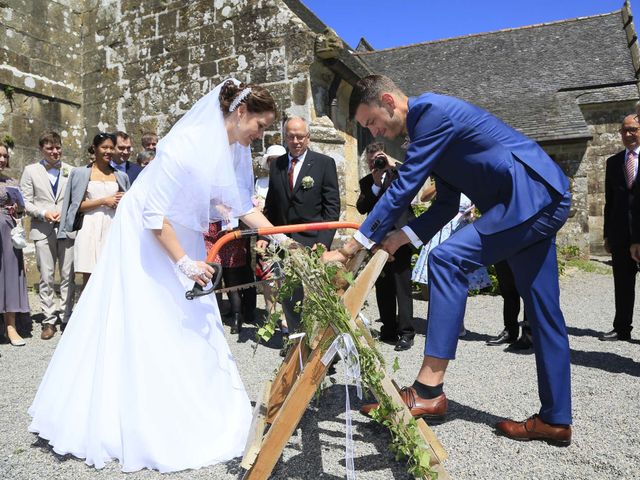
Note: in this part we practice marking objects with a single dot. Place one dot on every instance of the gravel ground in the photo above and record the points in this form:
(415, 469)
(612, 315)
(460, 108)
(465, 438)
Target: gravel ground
(483, 385)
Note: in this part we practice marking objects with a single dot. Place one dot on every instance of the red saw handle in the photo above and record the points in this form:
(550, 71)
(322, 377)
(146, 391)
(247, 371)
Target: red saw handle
(302, 227)
(198, 291)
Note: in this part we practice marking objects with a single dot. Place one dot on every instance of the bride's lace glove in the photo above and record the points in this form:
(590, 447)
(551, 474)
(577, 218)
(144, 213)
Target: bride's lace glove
(283, 241)
(199, 272)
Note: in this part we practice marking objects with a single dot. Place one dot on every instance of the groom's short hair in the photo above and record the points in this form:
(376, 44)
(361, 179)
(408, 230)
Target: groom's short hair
(368, 91)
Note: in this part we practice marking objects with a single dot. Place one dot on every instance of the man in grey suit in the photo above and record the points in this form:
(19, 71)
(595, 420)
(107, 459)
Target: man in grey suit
(43, 184)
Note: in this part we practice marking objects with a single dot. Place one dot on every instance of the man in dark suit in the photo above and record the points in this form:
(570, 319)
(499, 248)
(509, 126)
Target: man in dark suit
(120, 160)
(303, 188)
(393, 287)
(524, 199)
(619, 183)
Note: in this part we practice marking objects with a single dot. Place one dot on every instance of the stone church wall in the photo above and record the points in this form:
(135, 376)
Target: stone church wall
(40, 76)
(146, 63)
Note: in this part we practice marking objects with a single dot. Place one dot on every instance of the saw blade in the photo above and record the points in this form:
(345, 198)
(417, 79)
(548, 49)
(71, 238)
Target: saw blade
(244, 286)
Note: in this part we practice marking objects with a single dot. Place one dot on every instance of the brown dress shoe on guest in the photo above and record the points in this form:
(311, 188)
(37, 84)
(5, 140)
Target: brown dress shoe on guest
(534, 428)
(48, 331)
(434, 409)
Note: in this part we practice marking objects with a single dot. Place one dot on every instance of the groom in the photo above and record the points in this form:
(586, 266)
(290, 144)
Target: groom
(524, 199)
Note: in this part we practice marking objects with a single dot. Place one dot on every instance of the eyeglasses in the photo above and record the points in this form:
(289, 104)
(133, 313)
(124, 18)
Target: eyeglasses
(299, 138)
(632, 130)
(4, 155)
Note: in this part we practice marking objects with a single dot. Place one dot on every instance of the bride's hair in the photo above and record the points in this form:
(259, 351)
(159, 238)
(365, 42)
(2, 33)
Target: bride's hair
(258, 101)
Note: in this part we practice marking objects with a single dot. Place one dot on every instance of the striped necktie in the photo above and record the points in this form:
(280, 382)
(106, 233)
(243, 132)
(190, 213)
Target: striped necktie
(294, 160)
(630, 168)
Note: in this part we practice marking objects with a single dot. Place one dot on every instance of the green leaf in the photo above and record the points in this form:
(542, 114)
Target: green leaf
(348, 276)
(396, 365)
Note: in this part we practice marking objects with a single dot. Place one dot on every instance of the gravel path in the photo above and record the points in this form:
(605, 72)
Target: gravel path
(483, 385)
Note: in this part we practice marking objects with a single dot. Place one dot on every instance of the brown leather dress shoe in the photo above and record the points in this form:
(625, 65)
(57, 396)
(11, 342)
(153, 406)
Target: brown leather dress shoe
(429, 408)
(48, 331)
(534, 428)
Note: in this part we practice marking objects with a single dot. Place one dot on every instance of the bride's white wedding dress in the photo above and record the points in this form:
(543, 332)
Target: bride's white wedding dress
(141, 374)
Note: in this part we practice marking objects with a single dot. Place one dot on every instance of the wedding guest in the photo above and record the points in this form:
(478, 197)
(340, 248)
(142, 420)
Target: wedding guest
(13, 280)
(619, 193)
(260, 194)
(236, 270)
(121, 154)
(145, 157)
(510, 312)
(43, 185)
(393, 286)
(303, 188)
(262, 183)
(90, 202)
(524, 198)
(149, 141)
(479, 278)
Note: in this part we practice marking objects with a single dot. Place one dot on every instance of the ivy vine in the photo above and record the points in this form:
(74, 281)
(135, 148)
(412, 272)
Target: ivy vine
(322, 307)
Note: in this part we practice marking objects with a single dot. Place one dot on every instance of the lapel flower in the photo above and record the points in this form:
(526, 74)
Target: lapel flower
(307, 182)
(65, 172)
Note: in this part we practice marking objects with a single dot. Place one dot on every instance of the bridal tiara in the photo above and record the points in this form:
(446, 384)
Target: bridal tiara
(238, 100)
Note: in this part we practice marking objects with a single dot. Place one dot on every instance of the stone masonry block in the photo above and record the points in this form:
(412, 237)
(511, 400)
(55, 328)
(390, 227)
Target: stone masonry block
(218, 50)
(148, 27)
(209, 69)
(167, 23)
(227, 66)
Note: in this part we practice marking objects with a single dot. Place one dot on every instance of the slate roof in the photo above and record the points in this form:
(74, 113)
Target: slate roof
(534, 77)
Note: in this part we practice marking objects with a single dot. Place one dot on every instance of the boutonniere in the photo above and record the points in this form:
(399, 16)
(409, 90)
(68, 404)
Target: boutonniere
(65, 172)
(307, 182)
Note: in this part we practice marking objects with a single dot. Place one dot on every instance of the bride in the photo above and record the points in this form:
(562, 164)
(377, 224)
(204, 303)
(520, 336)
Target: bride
(141, 374)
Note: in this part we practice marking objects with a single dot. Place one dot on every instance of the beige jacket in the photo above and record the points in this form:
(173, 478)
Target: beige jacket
(38, 197)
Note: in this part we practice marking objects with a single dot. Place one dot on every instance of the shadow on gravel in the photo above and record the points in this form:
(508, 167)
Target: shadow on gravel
(583, 332)
(475, 337)
(322, 434)
(458, 411)
(43, 445)
(607, 361)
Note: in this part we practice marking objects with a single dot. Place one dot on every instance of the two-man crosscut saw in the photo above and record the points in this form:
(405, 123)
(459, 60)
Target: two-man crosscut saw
(198, 291)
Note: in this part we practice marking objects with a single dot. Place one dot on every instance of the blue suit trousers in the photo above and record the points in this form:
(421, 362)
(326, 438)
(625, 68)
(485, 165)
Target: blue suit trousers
(530, 251)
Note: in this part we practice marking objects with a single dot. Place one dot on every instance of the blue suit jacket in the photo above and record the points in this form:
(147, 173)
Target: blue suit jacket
(507, 175)
(133, 170)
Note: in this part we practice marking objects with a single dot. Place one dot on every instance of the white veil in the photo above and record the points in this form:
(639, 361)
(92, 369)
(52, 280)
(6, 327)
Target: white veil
(209, 175)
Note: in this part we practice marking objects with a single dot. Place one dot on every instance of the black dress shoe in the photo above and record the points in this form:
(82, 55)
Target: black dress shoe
(385, 337)
(405, 343)
(523, 343)
(613, 336)
(504, 337)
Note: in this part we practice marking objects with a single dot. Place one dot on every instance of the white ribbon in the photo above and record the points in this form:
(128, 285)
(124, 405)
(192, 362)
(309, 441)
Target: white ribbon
(300, 336)
(343, 345)
(365, 320)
